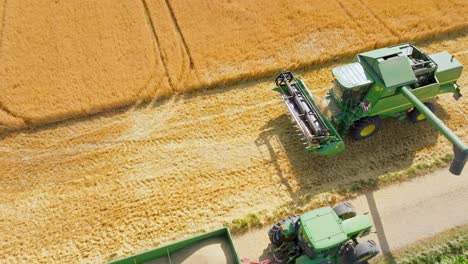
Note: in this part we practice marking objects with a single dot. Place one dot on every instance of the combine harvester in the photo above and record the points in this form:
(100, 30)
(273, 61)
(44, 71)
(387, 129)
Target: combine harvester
(398, 81)
(324, 235)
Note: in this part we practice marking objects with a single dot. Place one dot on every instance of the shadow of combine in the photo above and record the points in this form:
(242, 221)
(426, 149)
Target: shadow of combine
(392, 149)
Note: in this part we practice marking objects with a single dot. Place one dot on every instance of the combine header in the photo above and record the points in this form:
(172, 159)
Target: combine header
(319, 133)
(398, 81)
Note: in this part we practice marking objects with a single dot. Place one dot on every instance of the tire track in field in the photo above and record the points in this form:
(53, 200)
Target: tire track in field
(381, 21)
(179, 31)
(186, 55)
(350, 15)
(157, 43)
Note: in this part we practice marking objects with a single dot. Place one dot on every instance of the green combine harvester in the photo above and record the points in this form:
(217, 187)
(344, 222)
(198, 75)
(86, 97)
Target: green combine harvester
(398, 81)
(321, 236)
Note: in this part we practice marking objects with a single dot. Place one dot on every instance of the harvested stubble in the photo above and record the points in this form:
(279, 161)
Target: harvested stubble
(61, 59)
(114, 185)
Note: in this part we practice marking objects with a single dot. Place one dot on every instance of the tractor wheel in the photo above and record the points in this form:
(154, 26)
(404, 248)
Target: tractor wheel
(366, 127)
(416, 116)
(365, 251)
(345, 210)
(275, 234)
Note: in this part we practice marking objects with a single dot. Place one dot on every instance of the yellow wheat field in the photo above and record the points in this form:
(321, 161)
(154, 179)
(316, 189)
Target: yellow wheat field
(90, 190)
(60, 59)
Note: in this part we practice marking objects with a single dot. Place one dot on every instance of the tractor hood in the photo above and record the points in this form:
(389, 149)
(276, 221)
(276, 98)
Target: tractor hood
(323, 229)
(356, 225)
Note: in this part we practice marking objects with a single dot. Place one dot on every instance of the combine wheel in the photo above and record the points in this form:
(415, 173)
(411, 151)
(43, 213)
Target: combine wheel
(366, 127)
(416, 116)
(345, 210)
(365, 251)
(275, 234)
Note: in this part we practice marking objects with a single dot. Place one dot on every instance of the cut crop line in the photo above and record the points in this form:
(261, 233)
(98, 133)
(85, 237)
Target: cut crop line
(174, 19)
(158, 43)
(395, 33)
(3, 22)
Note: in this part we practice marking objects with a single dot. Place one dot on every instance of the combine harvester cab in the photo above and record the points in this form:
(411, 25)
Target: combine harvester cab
(212, 247)
(319, 133)
(398, 81)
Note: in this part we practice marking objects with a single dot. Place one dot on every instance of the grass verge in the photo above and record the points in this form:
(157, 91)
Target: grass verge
(447, 247)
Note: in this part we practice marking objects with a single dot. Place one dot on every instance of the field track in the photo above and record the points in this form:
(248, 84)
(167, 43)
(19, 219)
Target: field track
(401, 214)
(92, 189)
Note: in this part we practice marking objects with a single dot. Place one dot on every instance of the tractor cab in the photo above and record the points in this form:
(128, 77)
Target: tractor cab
(322, 233)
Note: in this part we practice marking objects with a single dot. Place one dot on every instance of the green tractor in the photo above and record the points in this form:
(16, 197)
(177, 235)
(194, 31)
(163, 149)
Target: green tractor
(324, 235)
(398, 81)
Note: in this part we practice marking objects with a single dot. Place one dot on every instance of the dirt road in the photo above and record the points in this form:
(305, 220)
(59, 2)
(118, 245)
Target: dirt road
(94, 189)
(401, 214)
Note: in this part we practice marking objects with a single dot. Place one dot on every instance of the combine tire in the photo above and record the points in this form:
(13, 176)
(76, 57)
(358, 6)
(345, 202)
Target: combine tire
(366, 127)
(275, 231)
(345, 210)
(365, 251)
(416, 116)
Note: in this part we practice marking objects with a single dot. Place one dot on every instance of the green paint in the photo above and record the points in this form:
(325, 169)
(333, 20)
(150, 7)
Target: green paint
(356, 225)
(323, 229)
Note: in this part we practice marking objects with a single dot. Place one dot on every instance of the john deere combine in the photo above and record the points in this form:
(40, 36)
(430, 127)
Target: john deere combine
(398, 81)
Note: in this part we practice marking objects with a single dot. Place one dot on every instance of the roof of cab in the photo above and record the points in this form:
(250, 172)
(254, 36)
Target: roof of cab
(351, 75)
(323, 228)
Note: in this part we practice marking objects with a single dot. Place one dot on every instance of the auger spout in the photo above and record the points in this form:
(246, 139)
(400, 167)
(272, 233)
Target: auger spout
(460, 150)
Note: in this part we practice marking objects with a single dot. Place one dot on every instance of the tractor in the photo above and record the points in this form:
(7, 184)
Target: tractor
(398, 81)
(324, 235)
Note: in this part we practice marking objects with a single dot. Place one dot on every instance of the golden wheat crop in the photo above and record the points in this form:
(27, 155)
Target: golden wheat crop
(122, 182)
(60, 59)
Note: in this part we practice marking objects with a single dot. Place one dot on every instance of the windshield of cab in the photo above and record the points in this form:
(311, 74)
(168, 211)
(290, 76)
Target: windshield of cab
(337, 90)
(354, 95)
